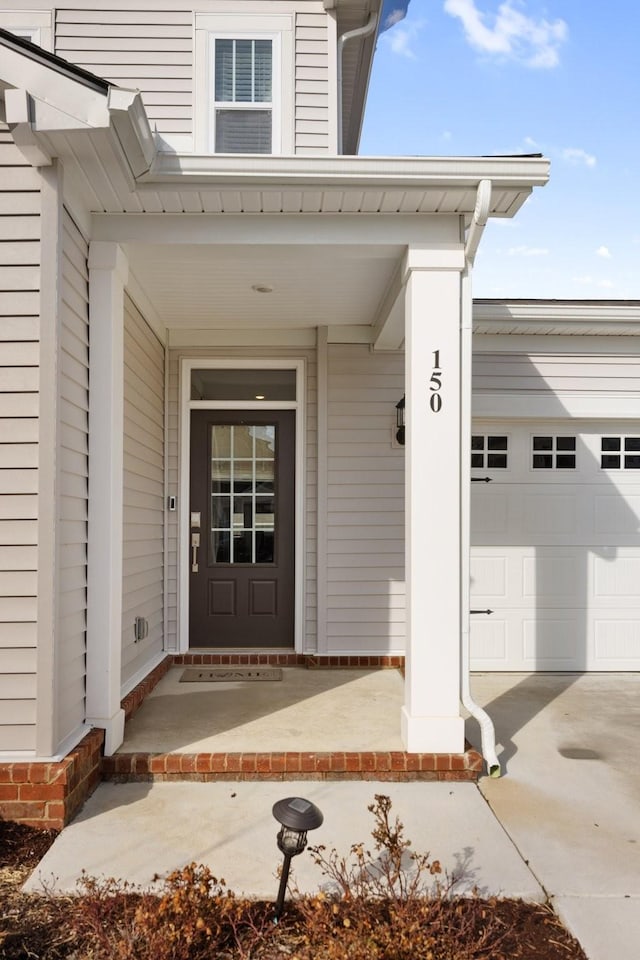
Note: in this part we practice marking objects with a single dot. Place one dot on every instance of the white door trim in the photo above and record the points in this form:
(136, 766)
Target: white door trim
(188, 364)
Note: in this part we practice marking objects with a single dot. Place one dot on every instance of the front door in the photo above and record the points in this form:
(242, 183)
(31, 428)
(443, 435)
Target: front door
(242, 513)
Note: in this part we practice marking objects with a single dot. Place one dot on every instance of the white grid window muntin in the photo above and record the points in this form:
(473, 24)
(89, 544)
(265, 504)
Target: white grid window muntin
(551, 452)
(619, 452)
(243, 493)
(489, 451)
(245, 92)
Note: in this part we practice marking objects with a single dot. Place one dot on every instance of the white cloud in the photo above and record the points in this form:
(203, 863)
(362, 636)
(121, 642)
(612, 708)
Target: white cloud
(588, 281)
(604, 252)
(394, 17)
(400, 41)
(513, 35)
(401, 38)
(576, 155)
(524, 251)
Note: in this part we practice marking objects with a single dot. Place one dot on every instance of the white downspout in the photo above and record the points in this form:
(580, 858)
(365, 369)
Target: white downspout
(474, 235)
(368, 28)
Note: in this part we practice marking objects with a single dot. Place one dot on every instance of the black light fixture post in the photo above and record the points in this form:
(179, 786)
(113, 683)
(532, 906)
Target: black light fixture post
(295, 816)
(400, 421)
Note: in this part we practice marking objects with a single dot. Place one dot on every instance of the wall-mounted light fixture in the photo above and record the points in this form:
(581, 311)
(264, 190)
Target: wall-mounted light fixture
(400, 422)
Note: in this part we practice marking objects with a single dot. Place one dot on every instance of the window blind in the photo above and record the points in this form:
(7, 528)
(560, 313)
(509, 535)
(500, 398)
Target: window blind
(243, 95)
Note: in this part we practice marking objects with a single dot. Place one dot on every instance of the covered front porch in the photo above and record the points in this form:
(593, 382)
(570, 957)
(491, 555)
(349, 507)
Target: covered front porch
(317, 268)
(303, 720)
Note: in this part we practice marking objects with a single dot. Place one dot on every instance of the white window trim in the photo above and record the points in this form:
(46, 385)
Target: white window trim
(276, 27)
(34, 25)
(186, 406)
(274, 105)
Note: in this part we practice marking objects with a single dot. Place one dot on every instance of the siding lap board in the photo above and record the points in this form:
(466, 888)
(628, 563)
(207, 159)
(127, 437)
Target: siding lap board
(150, 50)
(312, 84)
(365, 509)
(143, 493)
(73, 478)
(19, 361)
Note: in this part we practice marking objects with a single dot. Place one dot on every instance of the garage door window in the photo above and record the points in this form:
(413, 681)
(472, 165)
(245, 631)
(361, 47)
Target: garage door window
(553, 453)
(489, 452)
(620, 453)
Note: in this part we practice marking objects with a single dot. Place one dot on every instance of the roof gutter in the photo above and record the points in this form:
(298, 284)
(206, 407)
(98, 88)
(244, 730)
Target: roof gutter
(364, 31)
(479, 220)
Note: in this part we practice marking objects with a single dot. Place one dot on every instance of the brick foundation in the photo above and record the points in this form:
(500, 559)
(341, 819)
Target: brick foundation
(49, 795)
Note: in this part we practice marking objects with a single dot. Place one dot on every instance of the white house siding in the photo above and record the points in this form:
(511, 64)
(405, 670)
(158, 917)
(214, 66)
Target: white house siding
(365, 484)
(139, 47)
(312, 83)
(173, 479)
(19, 360)
(554, 373)
(151, 49)
(143, 533)
(73, 474)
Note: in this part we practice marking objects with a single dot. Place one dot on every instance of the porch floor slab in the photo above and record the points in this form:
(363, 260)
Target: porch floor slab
(308, 710)
(313, 724)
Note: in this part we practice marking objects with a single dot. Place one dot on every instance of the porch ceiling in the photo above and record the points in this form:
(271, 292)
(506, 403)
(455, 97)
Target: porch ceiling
(199, 287)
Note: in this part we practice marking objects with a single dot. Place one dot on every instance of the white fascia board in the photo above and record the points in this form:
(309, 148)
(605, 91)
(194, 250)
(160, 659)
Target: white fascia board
(58, 91)
(519, 173)
(58, 102)
(597, 316)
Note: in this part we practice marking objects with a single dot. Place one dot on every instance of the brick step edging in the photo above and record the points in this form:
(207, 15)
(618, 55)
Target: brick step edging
(389, 765)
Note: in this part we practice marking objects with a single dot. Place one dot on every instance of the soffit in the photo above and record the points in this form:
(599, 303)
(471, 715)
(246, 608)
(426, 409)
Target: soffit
(556, 317)
(291, 185)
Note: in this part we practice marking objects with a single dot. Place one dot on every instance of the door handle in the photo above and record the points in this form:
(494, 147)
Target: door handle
(195, 543)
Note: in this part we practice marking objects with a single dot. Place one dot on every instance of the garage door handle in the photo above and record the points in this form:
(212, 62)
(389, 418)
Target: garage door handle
(480, 611)
(481, 479)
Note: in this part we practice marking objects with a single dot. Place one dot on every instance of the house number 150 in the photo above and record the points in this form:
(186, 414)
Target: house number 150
(435, 384)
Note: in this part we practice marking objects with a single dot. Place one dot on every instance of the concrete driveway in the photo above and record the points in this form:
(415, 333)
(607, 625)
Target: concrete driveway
(570, 796)
(563, 822)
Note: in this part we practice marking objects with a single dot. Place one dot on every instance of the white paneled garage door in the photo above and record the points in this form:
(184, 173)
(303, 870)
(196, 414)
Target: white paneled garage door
(556, 546)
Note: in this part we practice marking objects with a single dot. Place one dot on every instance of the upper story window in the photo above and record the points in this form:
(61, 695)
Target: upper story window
(244, 83)
(243, 107)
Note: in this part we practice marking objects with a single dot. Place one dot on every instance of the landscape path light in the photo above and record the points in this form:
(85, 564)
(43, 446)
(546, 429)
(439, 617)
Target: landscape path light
(296, 817)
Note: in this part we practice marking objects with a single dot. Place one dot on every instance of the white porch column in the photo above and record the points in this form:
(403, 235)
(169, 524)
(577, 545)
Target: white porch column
(431, 720)
(108, 271)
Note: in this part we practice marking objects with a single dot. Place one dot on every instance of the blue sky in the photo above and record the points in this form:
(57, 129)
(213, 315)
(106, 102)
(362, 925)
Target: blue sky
(561, 78)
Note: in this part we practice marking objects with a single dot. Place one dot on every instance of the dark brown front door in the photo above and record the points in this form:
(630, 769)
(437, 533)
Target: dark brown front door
(242, 528)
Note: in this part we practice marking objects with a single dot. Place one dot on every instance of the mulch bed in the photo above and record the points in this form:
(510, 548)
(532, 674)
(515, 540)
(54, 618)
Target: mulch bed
(43, 927)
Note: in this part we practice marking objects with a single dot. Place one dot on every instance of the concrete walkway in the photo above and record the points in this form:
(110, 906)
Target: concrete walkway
(563, 822)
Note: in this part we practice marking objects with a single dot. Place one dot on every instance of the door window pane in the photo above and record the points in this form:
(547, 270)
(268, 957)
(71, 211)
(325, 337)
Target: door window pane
(242, 509)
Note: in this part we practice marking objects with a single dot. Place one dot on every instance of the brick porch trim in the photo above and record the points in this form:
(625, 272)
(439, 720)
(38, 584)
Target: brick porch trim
(48, 795)
(338, 765)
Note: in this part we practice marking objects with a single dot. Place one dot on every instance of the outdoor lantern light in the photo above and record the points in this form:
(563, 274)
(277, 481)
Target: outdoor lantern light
(296, 816)
(400, 422)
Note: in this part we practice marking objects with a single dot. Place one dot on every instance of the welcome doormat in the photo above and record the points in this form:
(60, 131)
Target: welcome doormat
(230, 674)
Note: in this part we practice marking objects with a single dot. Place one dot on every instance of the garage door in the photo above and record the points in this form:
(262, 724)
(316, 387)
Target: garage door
(555, 533)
